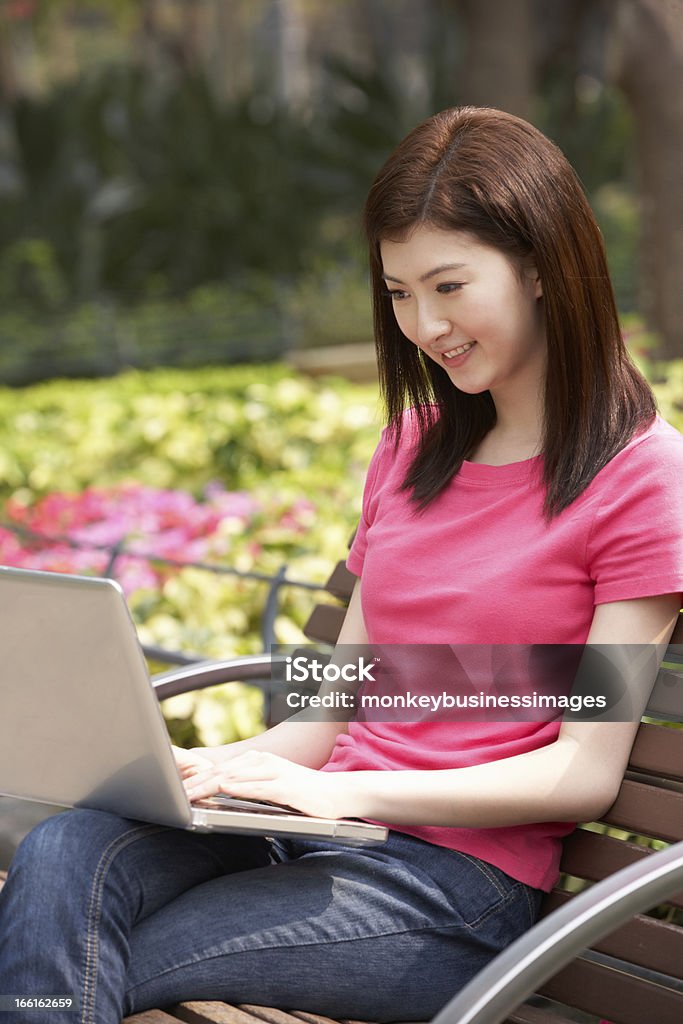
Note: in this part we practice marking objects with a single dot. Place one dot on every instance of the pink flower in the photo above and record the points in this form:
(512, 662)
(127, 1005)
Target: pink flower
(144, 520)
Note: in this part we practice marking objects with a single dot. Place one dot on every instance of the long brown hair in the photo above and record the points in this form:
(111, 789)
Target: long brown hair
(497, 177)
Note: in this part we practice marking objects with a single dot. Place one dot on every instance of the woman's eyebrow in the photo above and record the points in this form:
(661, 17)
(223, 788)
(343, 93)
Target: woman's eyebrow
(430, 273)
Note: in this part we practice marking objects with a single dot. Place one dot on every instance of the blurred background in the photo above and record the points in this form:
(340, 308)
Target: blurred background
(181, 180)
(181, 260)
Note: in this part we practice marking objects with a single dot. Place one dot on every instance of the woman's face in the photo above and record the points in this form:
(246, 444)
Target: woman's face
(469, 309)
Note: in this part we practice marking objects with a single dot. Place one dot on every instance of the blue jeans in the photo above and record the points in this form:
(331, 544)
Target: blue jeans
(124, 916)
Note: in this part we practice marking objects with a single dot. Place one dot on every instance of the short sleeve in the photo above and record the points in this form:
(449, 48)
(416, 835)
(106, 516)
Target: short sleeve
(356, 556)
(635, 548)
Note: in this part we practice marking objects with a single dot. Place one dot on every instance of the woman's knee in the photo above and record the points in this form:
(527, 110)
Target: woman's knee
(66, 840)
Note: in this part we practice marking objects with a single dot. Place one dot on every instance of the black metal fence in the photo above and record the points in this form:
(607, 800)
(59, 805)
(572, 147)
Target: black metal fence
(272, 582)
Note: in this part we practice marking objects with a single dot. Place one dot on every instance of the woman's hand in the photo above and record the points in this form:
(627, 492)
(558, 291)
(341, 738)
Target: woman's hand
(258, 775)
(190, 762)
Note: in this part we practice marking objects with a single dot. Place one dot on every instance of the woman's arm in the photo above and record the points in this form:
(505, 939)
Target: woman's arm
(306, 738)
(576, 778)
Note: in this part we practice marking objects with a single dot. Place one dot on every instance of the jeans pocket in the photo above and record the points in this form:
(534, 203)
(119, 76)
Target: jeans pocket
(478, 890)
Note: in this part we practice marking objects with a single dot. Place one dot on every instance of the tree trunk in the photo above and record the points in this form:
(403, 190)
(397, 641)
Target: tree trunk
(150, 38)
(499, 54)
(647, 64)
(190, 39)
(226, 56)
(291, 61)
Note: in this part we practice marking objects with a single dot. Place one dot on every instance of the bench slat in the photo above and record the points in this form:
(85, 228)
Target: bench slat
(614, 994)
(536, 1015)
(341, 582)
(643, 940)
(648, 811)
(666, 699)
(206, 1012)
(593, 856)
(312, 1018)
(677, 635)
(151, 1017)
(658, 750)
(213, 1012)
(269, 1014)
(324, 623)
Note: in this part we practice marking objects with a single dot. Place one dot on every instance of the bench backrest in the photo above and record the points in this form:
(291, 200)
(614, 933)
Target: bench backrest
(649, 807)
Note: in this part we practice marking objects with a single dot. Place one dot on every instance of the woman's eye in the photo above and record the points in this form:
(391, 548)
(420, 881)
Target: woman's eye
(396, 294)
(445, 289)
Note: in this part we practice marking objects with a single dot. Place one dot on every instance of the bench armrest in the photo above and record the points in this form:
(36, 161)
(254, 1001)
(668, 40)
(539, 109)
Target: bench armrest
(539, 954)
(251, 668)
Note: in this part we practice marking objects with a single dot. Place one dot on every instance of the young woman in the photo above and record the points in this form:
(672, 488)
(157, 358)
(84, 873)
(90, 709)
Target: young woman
(524, 493)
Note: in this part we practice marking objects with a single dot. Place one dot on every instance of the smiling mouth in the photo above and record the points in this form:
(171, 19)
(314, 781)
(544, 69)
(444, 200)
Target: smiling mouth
(459, 351)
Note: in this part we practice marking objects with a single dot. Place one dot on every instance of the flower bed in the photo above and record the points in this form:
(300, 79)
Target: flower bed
(248, 468)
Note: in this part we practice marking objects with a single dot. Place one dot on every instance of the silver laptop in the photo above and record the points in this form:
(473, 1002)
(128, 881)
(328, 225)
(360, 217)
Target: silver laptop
(80, 724)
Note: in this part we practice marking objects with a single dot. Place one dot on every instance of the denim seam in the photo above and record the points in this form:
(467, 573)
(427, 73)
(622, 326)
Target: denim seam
(481, 866)
(94, 912)
(300, 945)
(533, 907)
(505, 897)
(505, 900)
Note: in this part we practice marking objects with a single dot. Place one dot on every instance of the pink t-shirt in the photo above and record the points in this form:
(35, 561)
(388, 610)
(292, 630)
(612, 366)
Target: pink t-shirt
(481, 565)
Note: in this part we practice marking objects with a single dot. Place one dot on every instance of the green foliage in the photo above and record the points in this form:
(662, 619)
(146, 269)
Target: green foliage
(616, 209)
(249, 426)
(300, 448)
(143, 211)
(592, 124)
(251, 320)
(331, 304)
(130, 183)
(246, 322)
(368, 115)
(668, 385)
(29, 274)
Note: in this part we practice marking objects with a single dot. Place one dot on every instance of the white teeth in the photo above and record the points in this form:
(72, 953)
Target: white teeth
(460, 350)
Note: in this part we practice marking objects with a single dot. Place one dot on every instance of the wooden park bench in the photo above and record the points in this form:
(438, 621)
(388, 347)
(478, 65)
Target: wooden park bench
(594, 950)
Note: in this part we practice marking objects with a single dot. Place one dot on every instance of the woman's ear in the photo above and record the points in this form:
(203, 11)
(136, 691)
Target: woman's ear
(535, 278)
(531, 275)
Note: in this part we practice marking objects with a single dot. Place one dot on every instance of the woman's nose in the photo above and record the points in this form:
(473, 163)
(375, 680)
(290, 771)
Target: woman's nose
(431, 326)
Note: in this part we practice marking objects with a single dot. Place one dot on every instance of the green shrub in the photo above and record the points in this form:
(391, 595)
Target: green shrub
(214, 324)
(259, 429)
